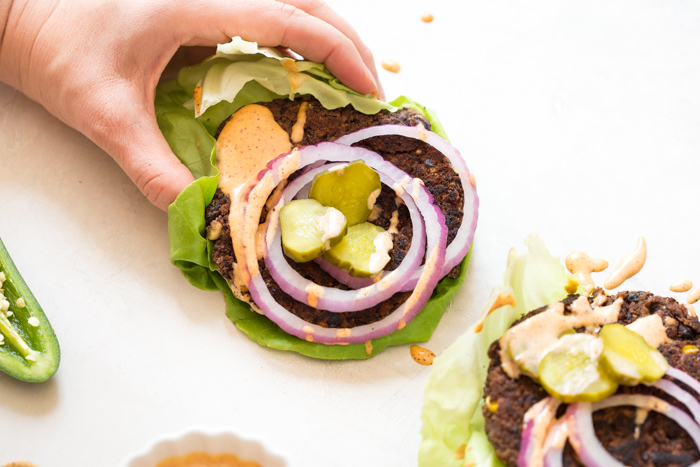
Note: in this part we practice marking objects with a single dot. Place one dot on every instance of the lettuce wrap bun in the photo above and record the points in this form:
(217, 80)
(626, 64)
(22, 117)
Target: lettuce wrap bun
(238, 75)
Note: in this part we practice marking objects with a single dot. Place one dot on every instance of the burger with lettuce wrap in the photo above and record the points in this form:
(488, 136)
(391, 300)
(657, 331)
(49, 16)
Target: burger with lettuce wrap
(335, 224)
(565, 374)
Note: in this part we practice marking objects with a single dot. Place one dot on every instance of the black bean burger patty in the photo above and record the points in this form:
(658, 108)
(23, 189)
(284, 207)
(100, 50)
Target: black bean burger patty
(661, 442)
(414, 156)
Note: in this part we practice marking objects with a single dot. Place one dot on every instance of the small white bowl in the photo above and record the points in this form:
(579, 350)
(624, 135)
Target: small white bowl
(209, 441)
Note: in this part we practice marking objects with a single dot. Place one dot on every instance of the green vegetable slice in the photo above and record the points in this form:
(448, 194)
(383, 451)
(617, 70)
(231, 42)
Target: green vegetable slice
(351, 189)
(628, 358)
(29, 349)
(309, 229)
(363, 251)
(570, 371)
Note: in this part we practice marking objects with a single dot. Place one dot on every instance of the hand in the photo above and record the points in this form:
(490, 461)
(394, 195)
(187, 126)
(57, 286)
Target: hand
(94, 64)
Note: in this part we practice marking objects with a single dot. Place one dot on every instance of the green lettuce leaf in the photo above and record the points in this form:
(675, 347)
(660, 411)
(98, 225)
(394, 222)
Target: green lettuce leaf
(259, 77)
(452, 416)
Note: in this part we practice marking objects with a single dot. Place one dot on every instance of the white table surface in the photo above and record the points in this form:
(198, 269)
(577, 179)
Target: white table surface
(580, 120)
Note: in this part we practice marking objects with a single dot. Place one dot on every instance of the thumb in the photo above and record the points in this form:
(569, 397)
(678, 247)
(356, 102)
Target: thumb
(142, 152)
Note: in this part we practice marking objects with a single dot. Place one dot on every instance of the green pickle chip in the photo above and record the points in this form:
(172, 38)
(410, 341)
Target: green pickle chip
(570, 371)
(309, 229)
(628, 358)
(363, 251)
(351, 189)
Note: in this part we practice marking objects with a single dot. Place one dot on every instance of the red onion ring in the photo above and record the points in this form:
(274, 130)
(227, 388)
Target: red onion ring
(582, 434)
(681, 395)
(553, 448)
(460, 245)
(539, 416)
(329, 298)
(684, 378)
(527, 444)
(279, 169)
(343, 276)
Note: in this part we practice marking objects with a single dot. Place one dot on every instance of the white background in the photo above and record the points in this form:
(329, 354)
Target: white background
(580, 120)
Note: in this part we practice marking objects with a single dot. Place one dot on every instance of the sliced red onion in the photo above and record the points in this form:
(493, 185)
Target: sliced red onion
(282, 167)
(582, 436)
(343, 276)
(330, 298)
(681, 395)
(685, 378)
(395, 321)
(527, 445)
(278, 169)
(555, 443)
(459, 247)
(537, 419)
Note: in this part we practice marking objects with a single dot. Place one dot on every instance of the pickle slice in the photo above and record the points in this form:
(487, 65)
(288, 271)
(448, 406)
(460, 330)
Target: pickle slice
(363, 252)
(351, 189)
(309, 229)
(570, 371)
(628, 358)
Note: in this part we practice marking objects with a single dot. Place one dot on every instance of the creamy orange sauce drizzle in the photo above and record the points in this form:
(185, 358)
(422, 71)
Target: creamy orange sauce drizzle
(400, 187)
(248, 228)
(313, 293)
(372, 199)
(309, 333)
(459, 454)
(651, 328)
(289, 65)
(298, 128)
(394, 223)
(374, 215)
(472, 179)
(681, 286)
(248, 141)
(559, 437)
(265, 235)
(530, 340)
(422, 133)
(296, 80)
(693, 296)
(583, 265)
(628, 265)
(639, 419)
(417, 184)
(368, 348)
(382, 245)
(197, 94)
(202, 459)
(421, 355)
(496, 300)
(422, 282)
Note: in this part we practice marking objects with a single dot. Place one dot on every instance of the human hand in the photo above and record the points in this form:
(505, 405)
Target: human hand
(94, 64)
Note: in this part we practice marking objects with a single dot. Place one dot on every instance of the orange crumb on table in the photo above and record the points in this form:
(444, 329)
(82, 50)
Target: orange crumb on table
(390, 65)
(427, 18)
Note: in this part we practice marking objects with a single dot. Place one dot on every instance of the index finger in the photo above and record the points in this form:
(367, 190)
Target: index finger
(271, 23)
(321, 10)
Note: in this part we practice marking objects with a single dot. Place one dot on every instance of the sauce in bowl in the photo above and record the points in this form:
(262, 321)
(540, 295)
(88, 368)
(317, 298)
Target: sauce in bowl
(202, 459)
